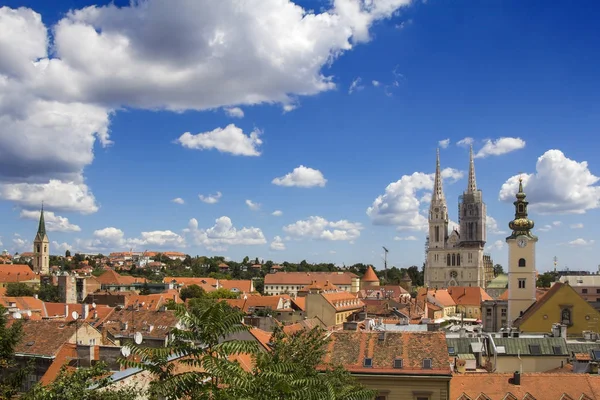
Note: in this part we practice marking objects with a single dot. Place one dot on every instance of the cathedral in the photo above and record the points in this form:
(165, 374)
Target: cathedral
(457, 258)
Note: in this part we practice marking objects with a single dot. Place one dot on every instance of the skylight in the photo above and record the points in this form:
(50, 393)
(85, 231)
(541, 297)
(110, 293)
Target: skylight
(535, 349)
(368, 362)
(398, 363)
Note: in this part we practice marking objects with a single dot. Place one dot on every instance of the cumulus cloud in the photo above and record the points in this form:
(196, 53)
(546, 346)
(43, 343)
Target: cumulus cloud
(234, 112)
(178, 200)
(497, 245)
(302, 177)
(277, 213)
(211, 198)
(252, 205)
(466, 142)
(375, 83)
(400, 205)
(444, 143)
(54, 223)
(224, 234)
(21, 245)
(159, 238)
(398, 238)
(355, 86)
(319, 228)
(581, 242)
(184, 55)
(492, 226)
(560, 185)
(111, 239)
(576, 226)
(230, 139)
(277, 244)
(60, 247)
(500, 146)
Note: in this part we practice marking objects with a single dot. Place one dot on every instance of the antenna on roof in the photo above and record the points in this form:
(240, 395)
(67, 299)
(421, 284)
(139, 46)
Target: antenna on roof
(386, 251)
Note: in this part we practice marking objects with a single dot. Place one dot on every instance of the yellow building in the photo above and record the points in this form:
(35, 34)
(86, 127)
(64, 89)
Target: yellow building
(563, 305)
(333, 308)
(398, 365)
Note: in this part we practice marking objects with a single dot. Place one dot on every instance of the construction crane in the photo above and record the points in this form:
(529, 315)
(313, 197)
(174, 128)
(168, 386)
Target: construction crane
(386, 251)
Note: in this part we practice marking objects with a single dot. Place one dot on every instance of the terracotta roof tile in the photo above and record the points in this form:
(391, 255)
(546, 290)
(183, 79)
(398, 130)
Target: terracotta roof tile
(308, 324)
(263, 337)
(275, 303)
(300, 302)
(541, 386)
(319, 286)
(468, 295)
(370, 275)
(16, 273)
(242, 285)
(162, 322)
(208, 284)
(111, 277)
(440, 297)
(65, 355)
(539, 292)
(350, 349)
(44, 337)
(343, 300)
(305, 278)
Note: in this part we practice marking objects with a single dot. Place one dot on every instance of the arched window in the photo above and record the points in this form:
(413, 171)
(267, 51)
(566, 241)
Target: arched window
(437, 233)
(453, 259)
(38, 248)
(521, 208)
(448, 260)
(458, 260)
(522, 262)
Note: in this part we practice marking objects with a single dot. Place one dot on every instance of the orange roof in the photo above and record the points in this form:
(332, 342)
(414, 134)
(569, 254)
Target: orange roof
(242, 285)
(16, 273)
(539, 386)
(305, 278)
(370, 275)
(23, 303)
(343, 301)
(111, 277)
(318, 286)
(539, 292)
(442, 297)
(272, 302)
(351, 348)
(300, 302)
(64, 356)
(468, 295)
(307, 324)
(263, 337)
(208, 284)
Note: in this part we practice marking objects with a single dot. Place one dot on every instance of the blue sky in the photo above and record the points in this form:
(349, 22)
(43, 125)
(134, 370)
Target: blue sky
(96, 103)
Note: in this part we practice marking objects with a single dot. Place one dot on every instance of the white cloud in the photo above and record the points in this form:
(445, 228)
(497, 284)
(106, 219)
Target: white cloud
(466, 142)
(178, 200)
(497, 245)
(355, 86)
(252, 205)
(556, 223)
(375, 83)
(302, 177)
(400, 205)
(159, 238)
(54, 223)
(444, 143)
(277, 213)
(56, 194)
(545, 228)
(492, 226)
(112, 239)
(211, 198)
(405, 238)
(60, 248)
(559, 185)
(224, 234)
(277, 244)
(21, 245)
(404, 24)
(230, 139)
(180, 55)
(234, 112)
(500, 146)
(576, 226)
(319, 228)
(581, 242)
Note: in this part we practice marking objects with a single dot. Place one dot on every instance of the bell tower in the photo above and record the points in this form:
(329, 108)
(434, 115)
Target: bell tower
(438, 211)
(521, 259)
(41, 251)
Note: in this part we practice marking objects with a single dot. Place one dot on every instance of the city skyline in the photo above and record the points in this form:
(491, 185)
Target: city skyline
(283, 134)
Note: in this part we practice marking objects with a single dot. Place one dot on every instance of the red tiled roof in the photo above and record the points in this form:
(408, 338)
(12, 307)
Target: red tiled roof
(243, 285)
(343, 301)
(442, 297)
(162, 323)
(65, 355)
(44, 337)
(271, 302)
(539, 386)
(263, 337)
(300, 302)
(111, 277)
(208, 284)
(16, 273)
(468, 295)
(370, 275)
(305, 278)
(539, 292)
(350, 348)
(318, 286)
(307, 324)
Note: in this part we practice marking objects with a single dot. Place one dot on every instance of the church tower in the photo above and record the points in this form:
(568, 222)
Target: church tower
(472, 212)
(41, 253)
(521, 259)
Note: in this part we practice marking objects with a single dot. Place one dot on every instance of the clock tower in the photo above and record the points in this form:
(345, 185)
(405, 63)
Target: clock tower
(521, 260)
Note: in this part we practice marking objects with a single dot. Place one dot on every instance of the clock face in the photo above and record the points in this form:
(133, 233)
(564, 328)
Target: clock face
(522, 242)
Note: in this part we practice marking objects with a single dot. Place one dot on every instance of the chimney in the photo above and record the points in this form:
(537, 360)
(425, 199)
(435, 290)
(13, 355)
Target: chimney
(66, 310)
(35, 296)
(516, 378)
(86, 311)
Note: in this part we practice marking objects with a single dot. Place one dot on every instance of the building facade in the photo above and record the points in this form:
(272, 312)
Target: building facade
(41, 249)
(457, 258)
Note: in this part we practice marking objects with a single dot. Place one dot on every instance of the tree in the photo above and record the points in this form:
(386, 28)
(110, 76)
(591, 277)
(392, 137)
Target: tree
(68, 253)
(259, 285)
(222, 293)
(145, 290)
(82, 384)
(50, 293)
(10, 382)
(498, 270)
(191, 292)
(416, 275)
(546, 279)
(19, 289)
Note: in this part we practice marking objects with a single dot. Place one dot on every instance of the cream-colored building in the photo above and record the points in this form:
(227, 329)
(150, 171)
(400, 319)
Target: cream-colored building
(457, 258)
(291, 282)
(41, 249)
(521, 260)
(332, 308)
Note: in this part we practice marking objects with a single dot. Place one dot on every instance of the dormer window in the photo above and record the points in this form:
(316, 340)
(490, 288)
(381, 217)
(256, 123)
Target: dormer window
(535, 349)
(398, 364)
(427, 363)
(368, 362)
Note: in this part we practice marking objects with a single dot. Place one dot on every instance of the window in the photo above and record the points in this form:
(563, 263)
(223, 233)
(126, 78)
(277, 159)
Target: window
(368, 362)
(488, 312)
(535, 349)
(398, 363)
(522, 262)
(450, 350)
(503, 312)
(557, 350)
(427, 363)
(584, 291)
(448, 258)
(381, 336)
(458, 260)
(521, 208)
(453, 259)
(522, 283)
(596, 354)
(597, 291)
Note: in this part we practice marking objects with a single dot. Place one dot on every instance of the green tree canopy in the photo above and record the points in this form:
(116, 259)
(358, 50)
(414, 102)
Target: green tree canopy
(191, 292)
(9, 337)
(18, 289)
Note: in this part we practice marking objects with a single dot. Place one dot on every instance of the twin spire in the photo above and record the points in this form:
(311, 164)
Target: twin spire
(438, 189)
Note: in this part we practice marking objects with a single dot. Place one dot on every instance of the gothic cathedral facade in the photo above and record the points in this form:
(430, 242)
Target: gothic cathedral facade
(457, 258)
(41, 249)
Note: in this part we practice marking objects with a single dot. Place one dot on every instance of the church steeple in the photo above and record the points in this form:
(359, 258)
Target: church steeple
(521, 225)
(438, 189)
(42, 225)
(41, 255)
(472, 188)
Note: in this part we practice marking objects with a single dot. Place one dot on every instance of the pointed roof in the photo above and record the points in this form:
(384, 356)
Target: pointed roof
(438, 189)
(42, 226)
(472, 188)
(370, 275)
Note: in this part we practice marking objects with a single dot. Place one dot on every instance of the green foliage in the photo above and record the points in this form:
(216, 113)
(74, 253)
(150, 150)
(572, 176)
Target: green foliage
(18, 289)
(68, 253)
(259, 285)
(145, 290)
(498, 269)
(10, 382)
(191, 292)
(76, 384)
(222, 294)
(545, 280)
(49, 292)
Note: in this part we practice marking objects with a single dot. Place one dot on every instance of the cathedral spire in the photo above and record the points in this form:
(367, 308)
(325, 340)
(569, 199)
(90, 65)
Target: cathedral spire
(472, 188)
(438, 190)
(42, 226)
